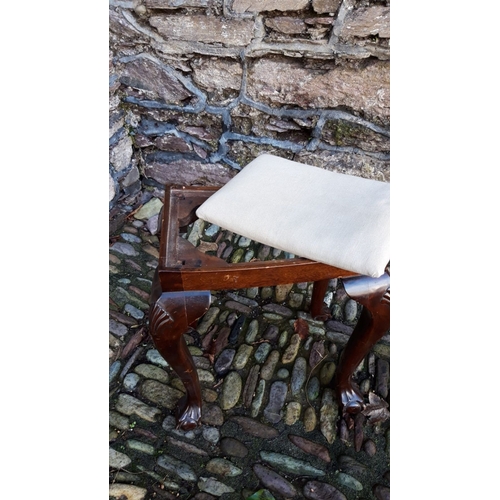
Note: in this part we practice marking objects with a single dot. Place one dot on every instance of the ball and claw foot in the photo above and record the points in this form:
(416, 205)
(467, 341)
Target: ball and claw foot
(351, 401)
(188, 414)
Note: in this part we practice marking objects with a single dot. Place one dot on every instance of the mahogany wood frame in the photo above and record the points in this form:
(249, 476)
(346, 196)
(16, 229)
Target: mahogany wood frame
(181, 295)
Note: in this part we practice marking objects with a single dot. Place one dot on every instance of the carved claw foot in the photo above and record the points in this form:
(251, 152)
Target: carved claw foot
(351, 400)
(188, 414)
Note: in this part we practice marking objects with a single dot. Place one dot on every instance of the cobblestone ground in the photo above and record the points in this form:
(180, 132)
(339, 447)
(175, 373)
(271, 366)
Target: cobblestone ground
(270, 425)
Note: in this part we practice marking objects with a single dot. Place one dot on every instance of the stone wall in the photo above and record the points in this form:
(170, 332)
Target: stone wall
(198, 88)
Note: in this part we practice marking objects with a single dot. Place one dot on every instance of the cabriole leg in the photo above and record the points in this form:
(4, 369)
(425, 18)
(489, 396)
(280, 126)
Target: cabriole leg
(170, 315)
(373, 294)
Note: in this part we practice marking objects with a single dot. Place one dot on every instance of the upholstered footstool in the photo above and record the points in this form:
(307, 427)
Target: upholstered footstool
(338, 225)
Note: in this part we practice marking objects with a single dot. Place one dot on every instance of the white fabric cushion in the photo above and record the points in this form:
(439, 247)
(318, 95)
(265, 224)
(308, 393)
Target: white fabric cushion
(336, 219)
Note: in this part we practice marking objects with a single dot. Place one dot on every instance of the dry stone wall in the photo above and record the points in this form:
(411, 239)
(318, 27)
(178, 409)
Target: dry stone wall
(198, 88)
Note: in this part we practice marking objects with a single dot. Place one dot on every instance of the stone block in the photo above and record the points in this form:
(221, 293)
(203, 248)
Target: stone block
(241, 6)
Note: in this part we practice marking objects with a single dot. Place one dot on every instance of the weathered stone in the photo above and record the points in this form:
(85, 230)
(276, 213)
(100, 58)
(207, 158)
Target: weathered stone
(220, 77)
(255, 428)
(274, 481)
(277, 396)
(212, 415)
(187, 172)
(326, 6)
(316, 490)
(148, 75)
(129, 405)
(224, 361)
(223, 467)
(351, 465)
(299, 375)
(118, 420)
(241, 6)
(242, 356)
(233, 447)
(290, 464)
(262, 352)
(211, 434)
(172, 143)
(363, 88)
(153, 356)
(349, 481)
(310, 419)
(136, 445)
(367, 21)
(177, 467)
(186, 446)
(127, 491)
(287, 25)
(328, 416)
(310, 447)
(292, 350)
(258, 399)
(250, 385)
(121, 154)
(117, 328)
(160, 394)
(269, 366)
(231, 390)
(326, 373)
(205, 29)
(208, 320)
(130, 381)
(118, 460)
(174, 4)
(350, 311)
(214, 487)
(278, 309)
(292, 413)
(381, 492)
(152, 372)
(124, 248)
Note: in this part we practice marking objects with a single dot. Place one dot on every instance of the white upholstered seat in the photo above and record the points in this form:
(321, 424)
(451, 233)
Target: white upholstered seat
(336, 219)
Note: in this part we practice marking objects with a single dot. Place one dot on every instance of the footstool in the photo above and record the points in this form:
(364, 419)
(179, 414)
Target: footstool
(339, 226)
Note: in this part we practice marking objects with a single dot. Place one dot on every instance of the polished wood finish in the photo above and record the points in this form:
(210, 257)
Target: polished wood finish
(181, 295)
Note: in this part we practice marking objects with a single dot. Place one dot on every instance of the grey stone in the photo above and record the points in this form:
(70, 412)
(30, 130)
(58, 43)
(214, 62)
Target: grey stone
(277, 398)
(242, 356)
(252, 332)
(124, 248)
(160, 394)
(128, 405)
(130, 238)
(255, 428)
(128, 491)
(114, 369)
(223, 467)
(274, 481)
(211, 434)
(349, 481)
(290, 464)
(313, 388)
(152, 372)
(233, 447)
(133, 311)
(269, 366)
(118, 460)
(121, 154)
(259, 398)
(262, 352)
(292, 350)
(316, 490)
(130, 381)
(214, 487)
(367, 21)
(119, 421)
(283, 373)
(231, 390)
(299, 375)
(181, 469)
(117, 328)
(136, 445)
(205, 29)
(224, 361)
(153, 356)
(241, 6)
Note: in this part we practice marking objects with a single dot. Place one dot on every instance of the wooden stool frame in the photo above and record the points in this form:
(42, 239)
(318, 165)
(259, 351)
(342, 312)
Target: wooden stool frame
(181, 296)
